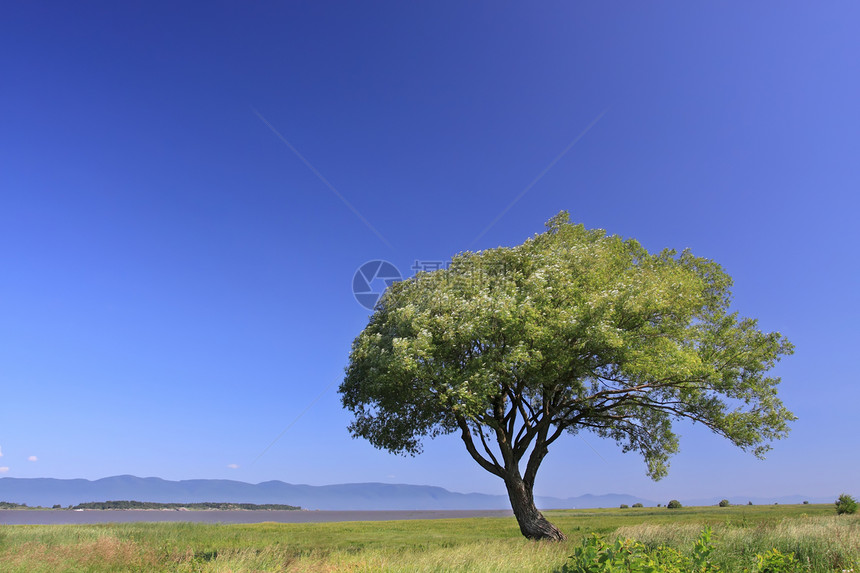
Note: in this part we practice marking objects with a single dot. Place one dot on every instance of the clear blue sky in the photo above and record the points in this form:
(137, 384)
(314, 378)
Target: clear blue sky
(175, 281)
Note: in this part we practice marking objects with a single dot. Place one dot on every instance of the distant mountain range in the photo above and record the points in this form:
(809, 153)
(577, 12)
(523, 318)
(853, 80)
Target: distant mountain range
(356, 496)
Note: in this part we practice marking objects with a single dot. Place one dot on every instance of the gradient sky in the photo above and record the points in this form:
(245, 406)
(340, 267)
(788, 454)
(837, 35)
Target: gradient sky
(186, 191)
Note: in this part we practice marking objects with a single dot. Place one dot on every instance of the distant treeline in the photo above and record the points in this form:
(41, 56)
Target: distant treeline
(10, 505)
(202, 505)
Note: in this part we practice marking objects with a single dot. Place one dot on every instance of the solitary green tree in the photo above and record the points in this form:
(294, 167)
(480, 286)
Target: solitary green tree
(574, 330)
(846, 504)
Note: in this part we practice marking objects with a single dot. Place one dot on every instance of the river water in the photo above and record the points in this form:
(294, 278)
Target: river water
(66, 516)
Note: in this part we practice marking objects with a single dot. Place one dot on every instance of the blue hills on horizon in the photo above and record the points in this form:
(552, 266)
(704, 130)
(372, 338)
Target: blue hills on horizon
(47, 492)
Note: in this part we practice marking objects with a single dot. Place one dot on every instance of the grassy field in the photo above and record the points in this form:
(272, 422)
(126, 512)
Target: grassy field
(820, 540)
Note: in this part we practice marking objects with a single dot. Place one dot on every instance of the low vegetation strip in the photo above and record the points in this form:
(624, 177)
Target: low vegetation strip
(156, 505)
(819, 543)
(818, 540)
(11, 505)
(189, 506)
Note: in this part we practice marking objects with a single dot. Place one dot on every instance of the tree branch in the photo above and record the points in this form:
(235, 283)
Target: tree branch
(466, 435)
(487, 447)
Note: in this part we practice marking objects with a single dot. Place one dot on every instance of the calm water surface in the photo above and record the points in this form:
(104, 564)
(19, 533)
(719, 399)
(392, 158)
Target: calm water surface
(65, 516)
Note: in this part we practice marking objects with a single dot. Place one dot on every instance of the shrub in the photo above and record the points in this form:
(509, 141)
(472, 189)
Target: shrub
(775, 562)
(674, 504)
(724, 503)
(805, 502)
(846, 504)
(624, 506)
(597, 555)
(630, 556)
(638, 505)
(749, 503)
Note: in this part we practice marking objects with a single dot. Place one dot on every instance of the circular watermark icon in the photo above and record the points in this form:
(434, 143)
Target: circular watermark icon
(370, 281)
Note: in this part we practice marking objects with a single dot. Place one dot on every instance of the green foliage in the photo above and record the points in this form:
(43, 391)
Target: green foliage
(573, 330)
(624, 506)
(637, 505)
(12, 505)
(628, 556)
(724, 503)
(846, 504)
(775, 562)
(612, 337)
(702, 549)
(597, 556)
(674, 504)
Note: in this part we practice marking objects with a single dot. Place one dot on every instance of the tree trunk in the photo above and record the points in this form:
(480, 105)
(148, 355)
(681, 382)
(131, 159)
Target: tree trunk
(532, 522)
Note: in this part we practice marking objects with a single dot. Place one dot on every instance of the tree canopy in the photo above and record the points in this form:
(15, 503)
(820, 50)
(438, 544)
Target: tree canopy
(574, 330)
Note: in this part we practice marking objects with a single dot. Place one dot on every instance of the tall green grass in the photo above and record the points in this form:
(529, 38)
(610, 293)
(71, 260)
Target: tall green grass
(820, 543)
(821, 540)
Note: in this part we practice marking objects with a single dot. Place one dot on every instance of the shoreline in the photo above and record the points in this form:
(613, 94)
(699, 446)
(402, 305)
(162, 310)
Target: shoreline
(96, 516)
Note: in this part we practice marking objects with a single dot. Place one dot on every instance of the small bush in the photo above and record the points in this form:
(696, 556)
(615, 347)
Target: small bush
(638, 505)
(624, 506)
(674, 504)
(724, 503)
(630, 556)
(749, 503)
(846, 504)
(624, 555)
(805, 503)
(775, 562)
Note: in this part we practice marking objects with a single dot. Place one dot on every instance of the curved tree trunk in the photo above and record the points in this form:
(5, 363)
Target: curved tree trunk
(532, 522)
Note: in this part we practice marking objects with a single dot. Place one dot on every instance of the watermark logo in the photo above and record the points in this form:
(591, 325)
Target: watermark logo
(370, 281)
(373, 277)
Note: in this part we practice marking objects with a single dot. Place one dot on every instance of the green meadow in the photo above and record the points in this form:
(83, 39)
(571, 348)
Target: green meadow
(819, 539)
